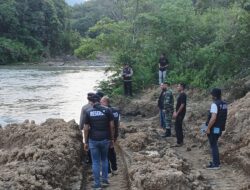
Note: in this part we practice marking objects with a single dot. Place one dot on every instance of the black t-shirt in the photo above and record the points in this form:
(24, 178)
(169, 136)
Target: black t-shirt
(99, 118)
(163, 62)
(181, 99)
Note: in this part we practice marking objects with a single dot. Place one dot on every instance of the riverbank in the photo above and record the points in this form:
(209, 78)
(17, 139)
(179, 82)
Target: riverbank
(40, 156)
(67, 61)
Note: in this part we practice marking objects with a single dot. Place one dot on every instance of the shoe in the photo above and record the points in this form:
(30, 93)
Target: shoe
(211, 166)
(115, 172)
(179, 144)
(104, 183)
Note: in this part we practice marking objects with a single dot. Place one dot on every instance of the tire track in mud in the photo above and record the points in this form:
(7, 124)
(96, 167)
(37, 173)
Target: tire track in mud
(117, 182)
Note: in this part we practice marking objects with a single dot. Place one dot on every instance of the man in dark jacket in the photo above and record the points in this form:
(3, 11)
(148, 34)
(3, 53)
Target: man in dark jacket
(163, 64)
(99, 133)
(127, 74)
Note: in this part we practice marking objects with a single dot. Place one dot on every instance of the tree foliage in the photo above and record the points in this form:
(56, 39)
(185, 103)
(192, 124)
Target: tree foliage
(39, 26)
(206, 41)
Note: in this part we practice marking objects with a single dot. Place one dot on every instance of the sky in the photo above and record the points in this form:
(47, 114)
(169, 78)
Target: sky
(73, 2)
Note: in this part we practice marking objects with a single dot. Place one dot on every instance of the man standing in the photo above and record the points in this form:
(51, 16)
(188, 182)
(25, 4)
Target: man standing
(163, 64)
(180, 112)
(216, 124)
(98, 131)
(168, 109)
(83, 118)
(112, 155)
(127, 74)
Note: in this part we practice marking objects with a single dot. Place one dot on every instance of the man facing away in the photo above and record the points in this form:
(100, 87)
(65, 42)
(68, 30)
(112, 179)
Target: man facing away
(163, 64)
(99, 133)
(216, 124)
(105, 101)
(168, 109)
(127, 74)
(180, 112)
(83, 117)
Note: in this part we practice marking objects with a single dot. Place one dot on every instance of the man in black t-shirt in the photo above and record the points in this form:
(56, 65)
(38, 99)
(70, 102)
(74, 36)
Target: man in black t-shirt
(163, 64)
(180, 112)
(98, 132)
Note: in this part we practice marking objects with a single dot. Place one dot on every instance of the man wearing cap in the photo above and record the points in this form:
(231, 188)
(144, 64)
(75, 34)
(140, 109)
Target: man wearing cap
(99, 133)
(83, 117)
(127, 74)
(216, 124)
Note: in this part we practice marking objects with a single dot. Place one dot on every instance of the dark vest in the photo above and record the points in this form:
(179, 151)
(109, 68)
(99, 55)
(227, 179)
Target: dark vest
(116, 116)
(127, 71)
(221, 115)
(99, 118)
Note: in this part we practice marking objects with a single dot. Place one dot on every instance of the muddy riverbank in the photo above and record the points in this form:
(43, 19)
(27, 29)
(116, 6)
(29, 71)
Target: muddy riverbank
(48, 156)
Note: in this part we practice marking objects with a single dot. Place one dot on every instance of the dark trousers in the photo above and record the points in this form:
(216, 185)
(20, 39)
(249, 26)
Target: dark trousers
(128, 88)
(213, 141)
(178, 129)
(112, 160)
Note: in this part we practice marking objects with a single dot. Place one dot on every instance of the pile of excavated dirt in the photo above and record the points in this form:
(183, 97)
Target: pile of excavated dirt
(236, 146)
(151, 161)
(154, 163)
(42, 156)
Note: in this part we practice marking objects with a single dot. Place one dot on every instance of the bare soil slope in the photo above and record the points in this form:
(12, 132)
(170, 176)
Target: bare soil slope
(40, 157)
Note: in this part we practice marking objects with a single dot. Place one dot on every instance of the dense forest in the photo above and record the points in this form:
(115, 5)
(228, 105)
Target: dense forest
(206, 41)
(34, 29)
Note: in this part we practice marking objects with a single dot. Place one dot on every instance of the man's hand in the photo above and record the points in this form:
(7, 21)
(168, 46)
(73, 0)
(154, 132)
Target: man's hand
(86, 147)
(175, 115)
(208, 131)
(112, 143)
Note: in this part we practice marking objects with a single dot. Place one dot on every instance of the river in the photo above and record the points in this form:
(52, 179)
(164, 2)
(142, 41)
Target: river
(41, 92)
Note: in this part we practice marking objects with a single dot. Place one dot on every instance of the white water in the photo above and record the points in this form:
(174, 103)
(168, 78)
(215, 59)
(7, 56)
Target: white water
(39, 93)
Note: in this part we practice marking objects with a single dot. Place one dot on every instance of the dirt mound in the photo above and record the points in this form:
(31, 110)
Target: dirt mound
(42, 156)
(237, 135)
(153, 162)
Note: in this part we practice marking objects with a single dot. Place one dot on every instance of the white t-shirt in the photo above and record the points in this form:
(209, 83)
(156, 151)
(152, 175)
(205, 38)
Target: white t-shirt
(214, 108)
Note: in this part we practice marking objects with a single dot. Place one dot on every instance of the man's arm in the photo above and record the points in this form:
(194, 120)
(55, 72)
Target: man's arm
(86, 136)
(211, 122)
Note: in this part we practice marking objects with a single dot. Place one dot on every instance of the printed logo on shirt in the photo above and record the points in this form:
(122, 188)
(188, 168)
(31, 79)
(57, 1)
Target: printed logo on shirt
(223, 106)
(95, 113)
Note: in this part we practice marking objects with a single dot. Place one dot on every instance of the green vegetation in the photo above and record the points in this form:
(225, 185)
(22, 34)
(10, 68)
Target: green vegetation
(206, 41)
(34, 29)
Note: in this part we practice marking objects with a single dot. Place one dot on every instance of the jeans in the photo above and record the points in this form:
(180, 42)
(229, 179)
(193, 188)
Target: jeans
(112, 160)
(162, 76)
(213, 141)
(128, 88)
(178, 129)
(99, 154)
(162, 119)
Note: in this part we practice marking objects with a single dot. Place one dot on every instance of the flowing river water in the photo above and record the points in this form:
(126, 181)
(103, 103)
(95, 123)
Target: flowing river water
(41, 92)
